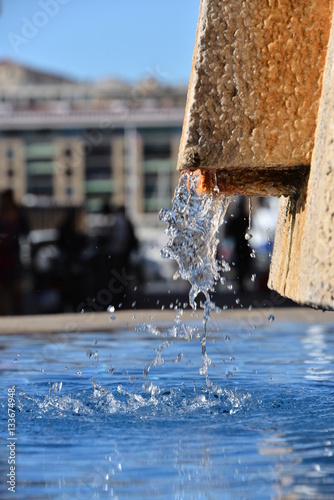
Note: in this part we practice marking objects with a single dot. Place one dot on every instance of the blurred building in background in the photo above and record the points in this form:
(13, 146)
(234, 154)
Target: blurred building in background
(91, 164)
(88, 143)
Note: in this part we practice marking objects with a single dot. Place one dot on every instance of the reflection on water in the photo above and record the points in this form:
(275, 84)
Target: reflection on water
(121, 431)
(319, 358)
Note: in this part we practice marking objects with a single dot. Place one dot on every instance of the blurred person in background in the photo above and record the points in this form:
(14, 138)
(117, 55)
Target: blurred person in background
(13, 225)
(235, 231)
(125, 241)
(72, 243)
(115, 241)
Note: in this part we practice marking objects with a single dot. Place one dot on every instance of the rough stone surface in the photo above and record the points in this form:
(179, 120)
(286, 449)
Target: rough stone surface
(256, 82)
(303, 259)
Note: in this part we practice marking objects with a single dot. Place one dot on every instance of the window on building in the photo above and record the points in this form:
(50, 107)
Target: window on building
(158, 190)
(158, 170)
(40, 168)
(98, 162)
(68, 153)
(40, 185)
(98, 175)
(156, 150)
(10, 153)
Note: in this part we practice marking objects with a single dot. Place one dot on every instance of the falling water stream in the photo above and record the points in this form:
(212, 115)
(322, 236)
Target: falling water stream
(193, 226)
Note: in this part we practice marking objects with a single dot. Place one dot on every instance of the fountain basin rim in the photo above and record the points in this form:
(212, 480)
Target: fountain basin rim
(101, 321)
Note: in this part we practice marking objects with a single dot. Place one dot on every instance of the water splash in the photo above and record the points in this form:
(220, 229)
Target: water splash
(178, 331)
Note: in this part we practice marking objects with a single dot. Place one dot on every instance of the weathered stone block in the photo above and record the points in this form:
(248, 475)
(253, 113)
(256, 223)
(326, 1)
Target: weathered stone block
(255, 84)
(303, 261)
(253, 122)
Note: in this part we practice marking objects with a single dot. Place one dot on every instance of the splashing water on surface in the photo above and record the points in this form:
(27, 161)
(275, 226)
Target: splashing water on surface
(193, 225)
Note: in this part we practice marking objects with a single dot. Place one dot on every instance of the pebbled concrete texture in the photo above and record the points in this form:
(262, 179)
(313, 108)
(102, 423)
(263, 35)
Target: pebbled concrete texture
(303, 260)
(256, 82)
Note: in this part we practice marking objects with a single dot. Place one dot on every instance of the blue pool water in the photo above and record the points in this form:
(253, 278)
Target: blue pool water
(115, 415)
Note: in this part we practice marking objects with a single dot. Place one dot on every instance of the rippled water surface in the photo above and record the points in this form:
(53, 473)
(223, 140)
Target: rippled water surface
(128, 414)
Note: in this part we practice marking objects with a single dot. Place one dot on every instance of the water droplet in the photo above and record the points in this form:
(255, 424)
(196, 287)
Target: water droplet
(79, 373)
(216, 188)
(230, 286)
(253, 255)
(113, 317)
(248, 236)
(271, 317)
(56, 387)
(15, 360)
(250, 214)
(253, 277)
(111, 309)
(133, 304)
(237, 301)
(94, 342)
(162, 308)
(135, 288)
(111, 370)
(250, 308)
(225, 307)
(179, 357)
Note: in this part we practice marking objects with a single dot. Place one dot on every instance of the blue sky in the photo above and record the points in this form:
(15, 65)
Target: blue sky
(87, 39)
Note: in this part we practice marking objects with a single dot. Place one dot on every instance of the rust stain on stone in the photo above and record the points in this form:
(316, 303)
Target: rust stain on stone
(262, 181)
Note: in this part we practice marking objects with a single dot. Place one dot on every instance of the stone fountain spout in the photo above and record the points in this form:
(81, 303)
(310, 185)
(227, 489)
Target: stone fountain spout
(260, 121)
